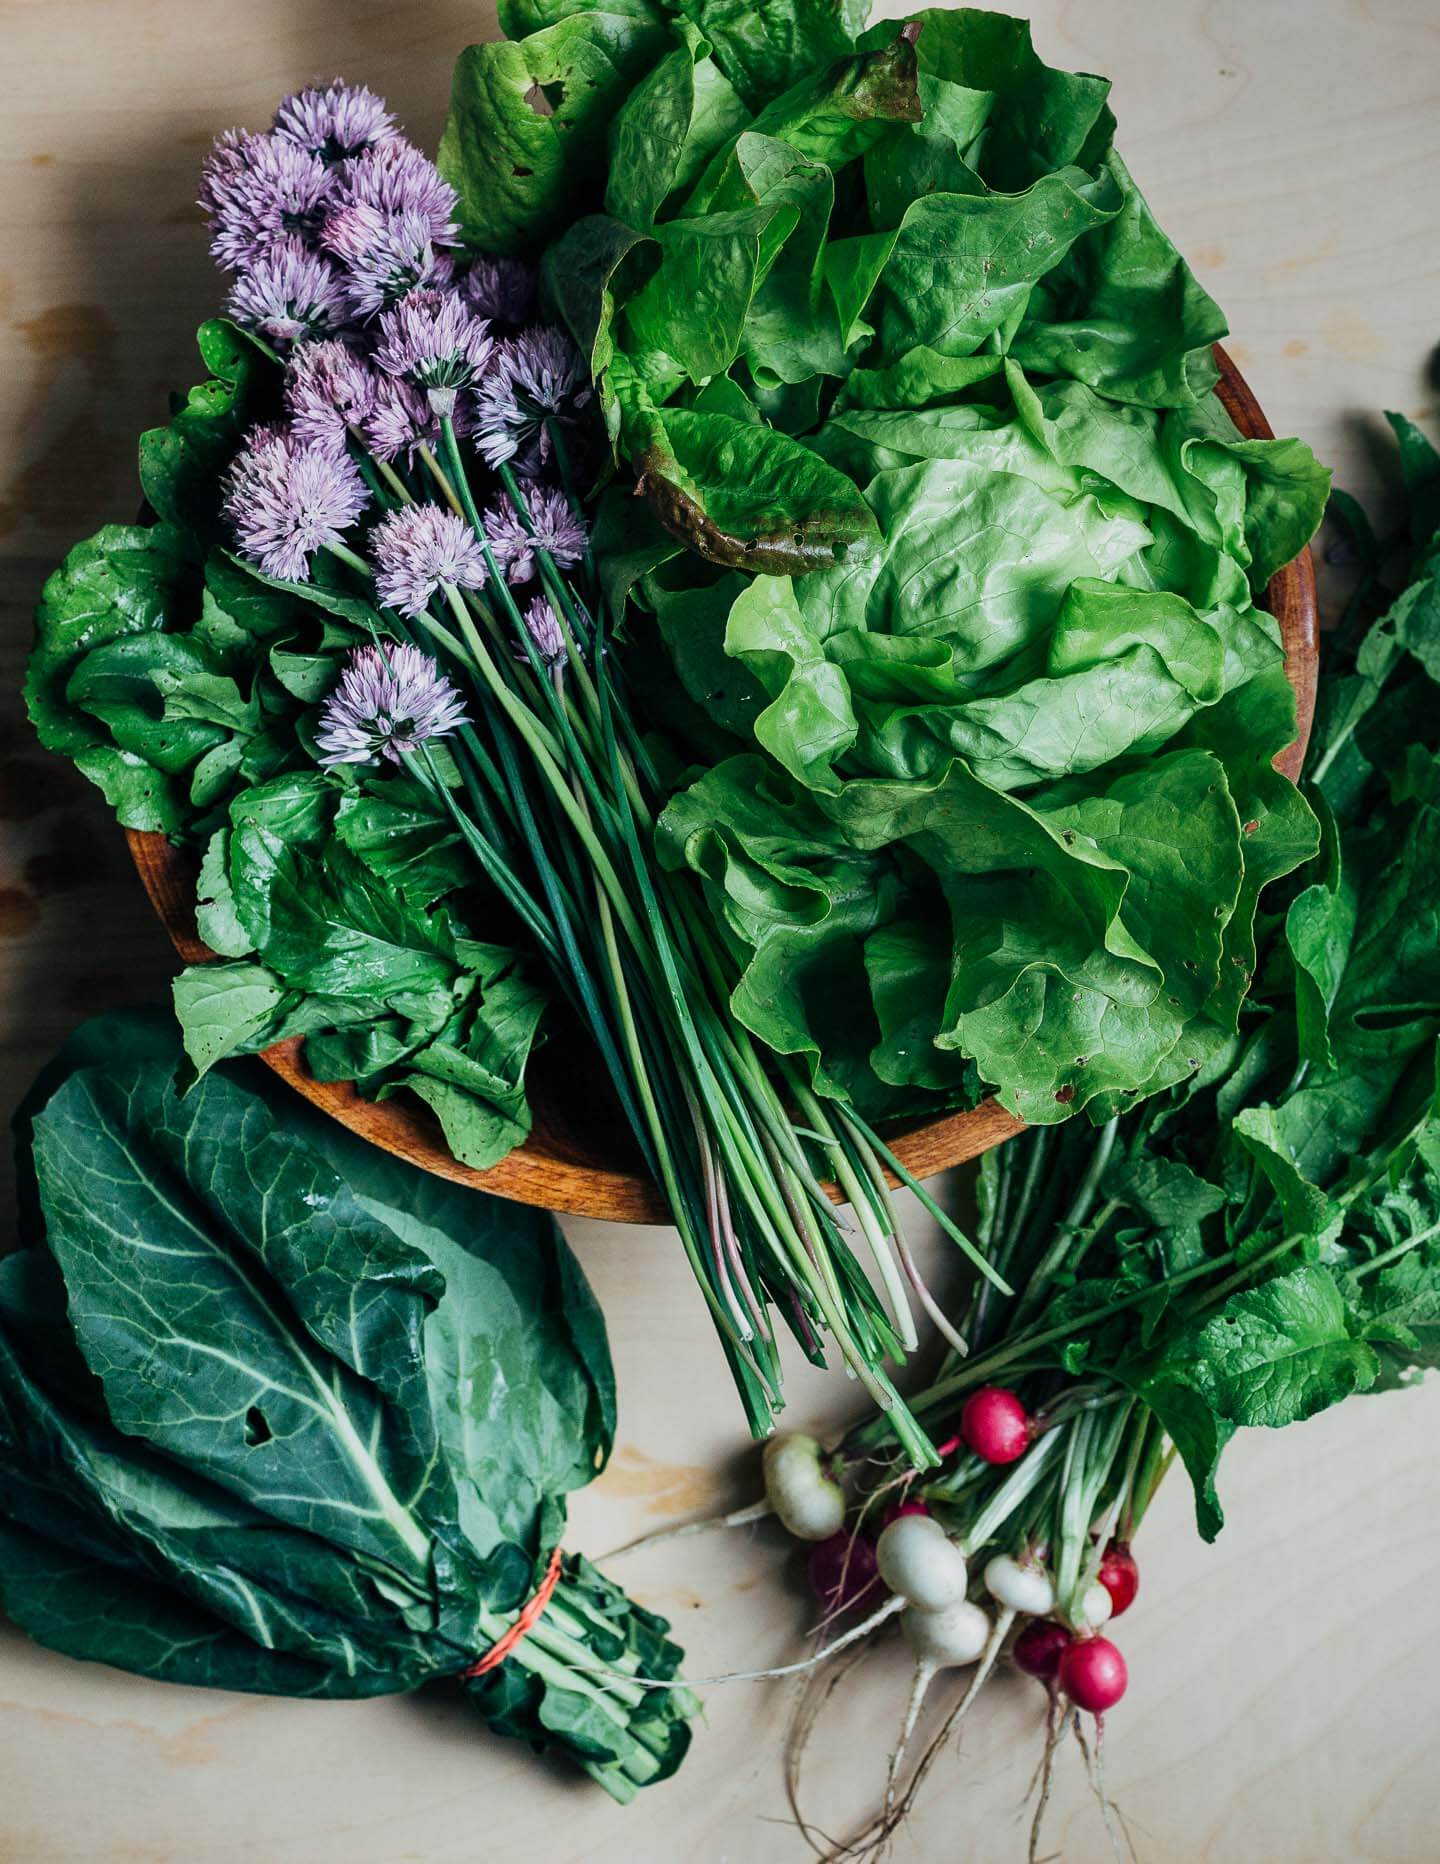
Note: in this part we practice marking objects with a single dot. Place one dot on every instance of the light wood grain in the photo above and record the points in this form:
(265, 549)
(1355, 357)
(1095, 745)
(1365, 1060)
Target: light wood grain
(1282, 1709)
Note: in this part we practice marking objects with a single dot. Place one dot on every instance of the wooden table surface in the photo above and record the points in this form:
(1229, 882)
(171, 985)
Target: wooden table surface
(1284, 1702)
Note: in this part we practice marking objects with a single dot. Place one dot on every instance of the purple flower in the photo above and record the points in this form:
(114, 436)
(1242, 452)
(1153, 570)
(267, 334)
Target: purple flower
(288, 294)
(545, 631)
(536, 378)
(402, 420)
(553, 527)
(335, 121)
(257, 191)
(329, 388)
(501, 290)
(385, 255)
(286, 500)
(397, 178)
(418, 548)
(432, 339)
(390, 700)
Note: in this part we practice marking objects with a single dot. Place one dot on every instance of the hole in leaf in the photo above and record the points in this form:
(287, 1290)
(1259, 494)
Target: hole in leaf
(257, 1427)
(523, 173)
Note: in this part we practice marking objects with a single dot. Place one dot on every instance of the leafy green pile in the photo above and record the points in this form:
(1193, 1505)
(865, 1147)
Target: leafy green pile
(1264, 1240)
(184, 683)
(280, 1414)
(965, 625)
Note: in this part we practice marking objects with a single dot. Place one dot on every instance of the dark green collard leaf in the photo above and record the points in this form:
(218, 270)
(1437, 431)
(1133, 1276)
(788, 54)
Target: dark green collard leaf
(1278, 1353)
(745, 496)
(522, 174)
(321, 1430)
(342, 1443)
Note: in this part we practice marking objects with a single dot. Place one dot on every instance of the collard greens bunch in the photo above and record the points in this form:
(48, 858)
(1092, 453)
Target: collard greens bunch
(279, 1413)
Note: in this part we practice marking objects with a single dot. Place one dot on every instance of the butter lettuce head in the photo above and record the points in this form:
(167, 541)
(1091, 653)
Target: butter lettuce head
(957, 562)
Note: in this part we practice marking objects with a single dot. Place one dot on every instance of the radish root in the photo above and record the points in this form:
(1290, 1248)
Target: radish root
(801, 1667)
(874, 1836)
(1045, 1772)
(740, 1517)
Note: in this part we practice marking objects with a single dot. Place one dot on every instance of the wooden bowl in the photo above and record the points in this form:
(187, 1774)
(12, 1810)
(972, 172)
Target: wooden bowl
(579, 1157)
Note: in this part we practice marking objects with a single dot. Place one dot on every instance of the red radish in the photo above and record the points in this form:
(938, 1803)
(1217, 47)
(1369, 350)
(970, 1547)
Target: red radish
(1093, 1675)
(896, 1509)
(1120, 1576)
(1039, 1648)
(995, 1425)
(842, 1571)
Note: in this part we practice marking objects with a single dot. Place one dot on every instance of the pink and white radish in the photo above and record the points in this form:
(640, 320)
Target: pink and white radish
(808, 1502)
(1039, 1648)
(995, 1425)
(1092, 1674)
(1095, 1608)
(919, 1561)
(1021, 1587)
(1119, 1575)
(842, 1572)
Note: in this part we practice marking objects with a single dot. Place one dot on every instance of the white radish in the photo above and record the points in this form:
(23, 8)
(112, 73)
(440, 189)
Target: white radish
(1095, 1610)
(953, 1635)
(1020, 1588)
(918, 1560)
(809, 1503)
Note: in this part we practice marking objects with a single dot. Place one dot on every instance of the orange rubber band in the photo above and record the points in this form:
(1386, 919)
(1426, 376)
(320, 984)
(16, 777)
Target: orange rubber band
(504, 1644)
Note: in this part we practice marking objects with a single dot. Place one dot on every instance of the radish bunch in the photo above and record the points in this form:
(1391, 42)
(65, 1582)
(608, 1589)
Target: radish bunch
(926, 1571)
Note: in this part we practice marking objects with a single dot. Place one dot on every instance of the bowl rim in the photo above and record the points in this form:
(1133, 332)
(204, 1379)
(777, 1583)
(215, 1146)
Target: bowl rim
(548, 1170)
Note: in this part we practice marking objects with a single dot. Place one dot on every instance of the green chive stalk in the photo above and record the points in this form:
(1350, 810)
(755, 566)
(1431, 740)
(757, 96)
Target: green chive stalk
(556, 798)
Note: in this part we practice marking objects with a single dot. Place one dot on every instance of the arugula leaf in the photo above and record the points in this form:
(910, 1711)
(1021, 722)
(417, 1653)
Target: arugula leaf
(1278, 1353)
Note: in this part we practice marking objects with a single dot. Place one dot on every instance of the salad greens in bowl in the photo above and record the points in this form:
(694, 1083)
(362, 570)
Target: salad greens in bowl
(710, 646)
